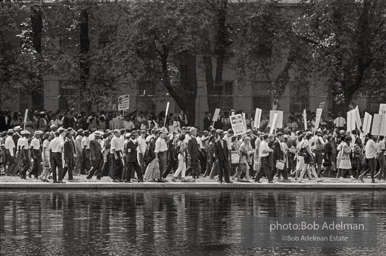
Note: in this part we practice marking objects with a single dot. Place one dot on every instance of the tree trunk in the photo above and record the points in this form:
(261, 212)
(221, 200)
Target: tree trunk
(215, 86)
(191, 88)
(37, 91)
(84, 62)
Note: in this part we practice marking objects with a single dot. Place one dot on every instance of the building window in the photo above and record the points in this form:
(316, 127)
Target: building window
(262, 102)
(67, 98)
(25, 97)
(299, 97)
(227, 99)
(146, 98)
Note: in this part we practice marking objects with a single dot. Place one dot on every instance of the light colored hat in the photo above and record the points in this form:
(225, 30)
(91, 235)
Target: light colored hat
(17, 128)
(10, 131)
(25, 132)
(38, 132)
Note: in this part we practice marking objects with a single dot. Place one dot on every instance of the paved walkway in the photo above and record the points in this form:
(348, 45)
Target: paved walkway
(80, 182)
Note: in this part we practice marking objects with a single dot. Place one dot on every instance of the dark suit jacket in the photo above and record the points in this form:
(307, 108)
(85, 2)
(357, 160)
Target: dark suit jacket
(68, 150)
(277, 153)
(207, 122)
(220, 153)
(131, 151)
(95, 150)
(193, 149)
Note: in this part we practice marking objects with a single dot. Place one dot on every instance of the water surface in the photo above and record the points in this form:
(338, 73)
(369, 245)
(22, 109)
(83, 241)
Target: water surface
(169, 222)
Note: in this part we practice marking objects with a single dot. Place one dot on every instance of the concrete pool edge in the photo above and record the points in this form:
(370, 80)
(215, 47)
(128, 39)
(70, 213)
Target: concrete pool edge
(193, 185)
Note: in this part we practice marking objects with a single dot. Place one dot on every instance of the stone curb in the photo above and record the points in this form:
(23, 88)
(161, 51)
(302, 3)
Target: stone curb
(192, 185)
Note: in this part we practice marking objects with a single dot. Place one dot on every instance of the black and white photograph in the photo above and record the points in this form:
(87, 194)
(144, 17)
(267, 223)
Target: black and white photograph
(193, 127)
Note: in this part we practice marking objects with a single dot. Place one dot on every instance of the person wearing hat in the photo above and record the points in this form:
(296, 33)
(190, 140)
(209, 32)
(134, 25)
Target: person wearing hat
(221, 154)
(68, 153)
(23, 148)
(265, 167)
(152, 172)
(36, 154)
(279, 156)
(96, 156)
(160, 151)
(141, 149)
(130, 150)
(9, 146)
(116, 150)
(85, 143)
(78, 151)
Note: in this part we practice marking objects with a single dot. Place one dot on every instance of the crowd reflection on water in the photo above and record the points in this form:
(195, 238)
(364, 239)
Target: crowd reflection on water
(160, 222)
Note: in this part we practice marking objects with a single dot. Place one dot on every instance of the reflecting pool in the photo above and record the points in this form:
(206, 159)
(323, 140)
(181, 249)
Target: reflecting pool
(169, 222)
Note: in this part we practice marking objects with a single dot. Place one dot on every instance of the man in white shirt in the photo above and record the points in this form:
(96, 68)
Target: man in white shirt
(85, 144)
(23, 147)
(265, 168)
(9, 146)
(116, 151)
(36, 154)
(141, 149)
(339, 121)
(160, 151)
(371, 154)
(57, 157)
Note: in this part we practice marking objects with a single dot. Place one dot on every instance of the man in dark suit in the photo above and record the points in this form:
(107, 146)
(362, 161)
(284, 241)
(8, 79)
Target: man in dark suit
(130, 151)
(278, 155)
(96, 156)
(207, 120)
(68, 151)
(221, 155)
(194, 153)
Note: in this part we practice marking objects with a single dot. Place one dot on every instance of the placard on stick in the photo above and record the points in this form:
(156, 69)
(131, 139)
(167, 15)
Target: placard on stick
(350, 120)
(25, 117)
(279, 120)
(367, 123)
(123, 102)
(305, 119)
(274, 121)
(237, 124)
(358, 120)
(382, 109)
(257, 118)
(379, 125)
(216, 114)
(318, 117)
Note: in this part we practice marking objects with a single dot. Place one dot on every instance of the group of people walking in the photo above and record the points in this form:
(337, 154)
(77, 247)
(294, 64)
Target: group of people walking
(154, 154)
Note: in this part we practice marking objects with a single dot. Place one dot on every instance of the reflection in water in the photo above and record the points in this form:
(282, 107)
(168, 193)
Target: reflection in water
(167, 222)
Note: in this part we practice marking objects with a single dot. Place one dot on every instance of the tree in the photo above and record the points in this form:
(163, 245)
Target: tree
(345, 42)
(154, 40)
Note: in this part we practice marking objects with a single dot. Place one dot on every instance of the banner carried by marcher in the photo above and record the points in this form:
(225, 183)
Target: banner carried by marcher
(123, 102)
(318, 117)
(237, 124)
(25, 117)
(305, 119)
(379, 125)
(367, 123)
(358, 120)
(382, 109)
(279, 120)
(273, 124)
(257, 117)
(350, 120)
(216, 114)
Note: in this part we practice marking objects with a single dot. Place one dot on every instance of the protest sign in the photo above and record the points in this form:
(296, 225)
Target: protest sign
(123, 102)
(216, 114)
(305, 119)
(237, 124)
(166, 113)
(244, 120)
(358, 120)
(367, 123)
(279, 121)
(318, 117)
(382, 109)
(257, 117)
(379, 125)
(273, 124)
(25, 117)
(350, 120)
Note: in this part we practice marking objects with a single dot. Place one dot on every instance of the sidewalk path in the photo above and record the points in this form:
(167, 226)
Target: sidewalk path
(80, 182)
